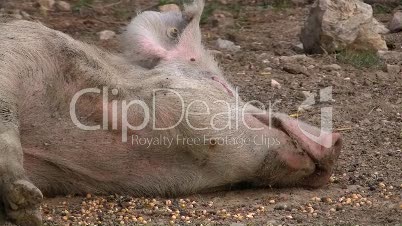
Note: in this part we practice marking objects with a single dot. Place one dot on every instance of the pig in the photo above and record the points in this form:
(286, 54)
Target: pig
(75, 119)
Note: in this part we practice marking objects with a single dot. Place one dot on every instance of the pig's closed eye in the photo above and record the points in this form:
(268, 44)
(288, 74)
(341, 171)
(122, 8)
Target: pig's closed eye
(172, 32)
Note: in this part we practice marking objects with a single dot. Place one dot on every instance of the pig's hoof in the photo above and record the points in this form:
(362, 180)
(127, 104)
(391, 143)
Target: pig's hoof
(22, 200)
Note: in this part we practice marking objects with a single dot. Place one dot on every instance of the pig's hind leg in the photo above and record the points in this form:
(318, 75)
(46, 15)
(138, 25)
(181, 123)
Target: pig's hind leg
(20, 198)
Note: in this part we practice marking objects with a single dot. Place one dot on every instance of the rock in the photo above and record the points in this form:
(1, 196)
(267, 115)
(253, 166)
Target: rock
(228, 45)
(280, 207)
(301, 58)
(298, 48)
(295, 69)
(335, 25)
(380, 28)
(393, 69)
(215, 52)
(26, 15)
(237, 224)
(308, 102)
(106, 35)
(331, 67)
(46, 4)
(283, 48)
(390, 55)
(307, 94)
(395, 25)
(223, 19)
(275, 84)
(63, 6)
(169, 8)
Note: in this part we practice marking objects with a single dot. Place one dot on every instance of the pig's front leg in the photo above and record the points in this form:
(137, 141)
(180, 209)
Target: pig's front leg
(3, 221)
(20, 198)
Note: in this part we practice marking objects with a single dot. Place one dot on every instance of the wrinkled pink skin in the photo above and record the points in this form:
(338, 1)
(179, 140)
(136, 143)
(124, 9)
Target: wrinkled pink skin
(41, 70)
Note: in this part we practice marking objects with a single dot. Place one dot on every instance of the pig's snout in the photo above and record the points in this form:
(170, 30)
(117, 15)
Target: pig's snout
(324, 157)
(306, 156)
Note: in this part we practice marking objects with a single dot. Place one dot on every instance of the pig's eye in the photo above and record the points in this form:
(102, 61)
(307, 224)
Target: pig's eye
(172, 33)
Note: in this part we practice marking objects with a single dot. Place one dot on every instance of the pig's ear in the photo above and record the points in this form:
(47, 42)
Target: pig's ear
(189, 45)
(141, 37)
(193, 10)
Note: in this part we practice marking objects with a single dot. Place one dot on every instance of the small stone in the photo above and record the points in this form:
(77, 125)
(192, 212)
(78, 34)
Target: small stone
(298, 48)
(273, 201)
(316, 199)
(25, 15)
(63, 6)
(332, 67)
(393, 69)
(332, 210)
(169, 8)
(382, 185)
(308, 94)
(237, 224)
(106, 35)
(275, 84)
(280, 207)
(227, 45)
(295, 69)
(46, 4)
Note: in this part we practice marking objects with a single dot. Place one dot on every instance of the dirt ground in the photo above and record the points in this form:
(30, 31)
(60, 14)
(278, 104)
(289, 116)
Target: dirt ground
(366, 188)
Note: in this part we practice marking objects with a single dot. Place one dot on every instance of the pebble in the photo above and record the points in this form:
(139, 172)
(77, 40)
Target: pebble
(47, 4)
(275, 84)
(316, 199)
(280, 207)
(63, 6)
(326, 200)
(382, 185)
(393, 69)
(106, 35)
(332, 67)
(273, 201)
(227, 45)
(295, 69)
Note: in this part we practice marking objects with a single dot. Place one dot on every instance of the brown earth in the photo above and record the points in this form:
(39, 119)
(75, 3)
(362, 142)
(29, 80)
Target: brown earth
(366, 188)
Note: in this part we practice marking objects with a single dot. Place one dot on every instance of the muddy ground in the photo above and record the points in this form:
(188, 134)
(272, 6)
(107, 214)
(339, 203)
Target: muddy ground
(366, 188)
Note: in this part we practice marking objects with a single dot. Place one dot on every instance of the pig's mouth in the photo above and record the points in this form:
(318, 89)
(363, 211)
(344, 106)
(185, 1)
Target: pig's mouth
(224, 85)
(310, 154)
